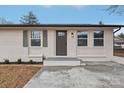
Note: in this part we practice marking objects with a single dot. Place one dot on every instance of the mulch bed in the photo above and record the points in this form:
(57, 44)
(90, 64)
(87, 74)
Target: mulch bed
(17, 75)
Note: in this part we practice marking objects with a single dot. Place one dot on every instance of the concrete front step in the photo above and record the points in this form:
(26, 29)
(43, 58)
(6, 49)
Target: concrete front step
(98, 63)
(61, 61)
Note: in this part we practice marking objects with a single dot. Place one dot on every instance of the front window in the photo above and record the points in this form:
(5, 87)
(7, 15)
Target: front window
(99, 38)
(35, 38)
(82, 38)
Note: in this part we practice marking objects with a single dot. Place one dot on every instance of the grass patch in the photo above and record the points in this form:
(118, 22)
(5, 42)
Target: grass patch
(17, 75)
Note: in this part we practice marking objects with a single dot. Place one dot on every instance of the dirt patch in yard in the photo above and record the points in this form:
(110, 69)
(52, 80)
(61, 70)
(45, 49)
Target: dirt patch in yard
(17, 75)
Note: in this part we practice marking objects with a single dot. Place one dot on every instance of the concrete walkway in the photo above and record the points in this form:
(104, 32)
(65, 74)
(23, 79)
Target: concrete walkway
(118, 59)
(101, 75)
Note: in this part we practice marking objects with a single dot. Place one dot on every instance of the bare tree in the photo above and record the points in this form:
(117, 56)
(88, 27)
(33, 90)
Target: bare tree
(117, 9)
(4, 21)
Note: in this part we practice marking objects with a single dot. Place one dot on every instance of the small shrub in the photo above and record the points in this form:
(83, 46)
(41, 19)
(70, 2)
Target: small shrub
(19, 61)
(31, 61)
(6, 61)
(43, 57)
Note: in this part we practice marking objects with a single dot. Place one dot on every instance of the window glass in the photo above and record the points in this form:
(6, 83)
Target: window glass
(82, 38)
(98, 42)
(35, 35)
(35, 38)
(82, 34)
(35, 42)
(98, 34)
(61, 33)
(82, 42)
(99, 38)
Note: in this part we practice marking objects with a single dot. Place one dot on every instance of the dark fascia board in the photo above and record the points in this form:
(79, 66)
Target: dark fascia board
(59, 25)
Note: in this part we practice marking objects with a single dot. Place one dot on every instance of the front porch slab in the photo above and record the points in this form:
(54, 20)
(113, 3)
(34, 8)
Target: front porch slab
(61, 61)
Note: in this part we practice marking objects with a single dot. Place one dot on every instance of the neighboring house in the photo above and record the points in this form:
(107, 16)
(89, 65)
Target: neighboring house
(119, 42)
(88, 42)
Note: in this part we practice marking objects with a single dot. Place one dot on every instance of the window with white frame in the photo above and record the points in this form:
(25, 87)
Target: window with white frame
(98, 38)
(35, 38)
(82, 37)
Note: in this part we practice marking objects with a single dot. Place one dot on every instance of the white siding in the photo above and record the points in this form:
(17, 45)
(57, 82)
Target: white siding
(94, 53)
(11, 46)
(46, 51)
(71, 44)
(50, 50)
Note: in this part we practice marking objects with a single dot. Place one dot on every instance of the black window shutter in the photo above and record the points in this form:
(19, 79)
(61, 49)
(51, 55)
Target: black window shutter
(25, 38)
(45, 38)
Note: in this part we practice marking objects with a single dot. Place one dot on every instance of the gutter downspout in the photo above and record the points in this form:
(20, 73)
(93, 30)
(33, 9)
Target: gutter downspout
(117, 30)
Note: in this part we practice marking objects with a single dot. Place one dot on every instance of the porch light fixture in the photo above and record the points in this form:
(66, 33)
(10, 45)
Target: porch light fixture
(72, 34)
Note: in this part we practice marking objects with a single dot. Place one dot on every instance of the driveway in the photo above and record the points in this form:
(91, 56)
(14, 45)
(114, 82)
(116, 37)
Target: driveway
(90, 76)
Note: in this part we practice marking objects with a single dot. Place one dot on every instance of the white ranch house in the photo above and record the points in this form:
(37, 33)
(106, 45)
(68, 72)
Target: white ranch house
(67, 42)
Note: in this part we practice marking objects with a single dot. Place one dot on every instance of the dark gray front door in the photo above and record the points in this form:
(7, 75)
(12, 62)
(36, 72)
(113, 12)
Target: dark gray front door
(61, 43)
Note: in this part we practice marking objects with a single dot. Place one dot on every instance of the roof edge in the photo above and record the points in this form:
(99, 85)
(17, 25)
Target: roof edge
(60, 25)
